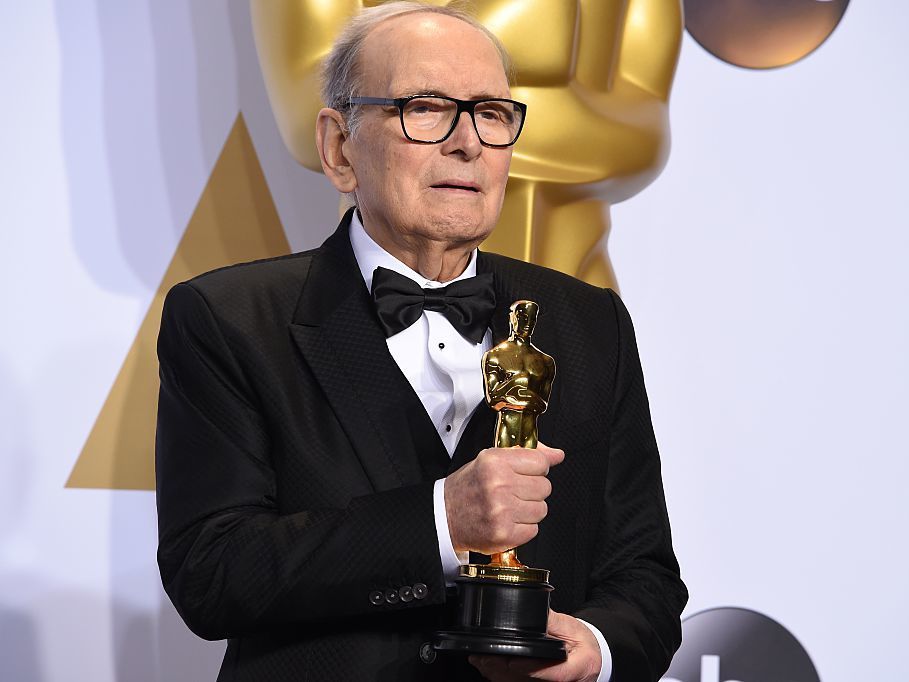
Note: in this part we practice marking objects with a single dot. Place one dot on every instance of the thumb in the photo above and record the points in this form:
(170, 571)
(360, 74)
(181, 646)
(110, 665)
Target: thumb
(567, 628)
(560, 625)
(553, 455)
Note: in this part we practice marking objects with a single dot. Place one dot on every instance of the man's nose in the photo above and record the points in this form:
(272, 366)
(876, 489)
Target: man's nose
(464, 137)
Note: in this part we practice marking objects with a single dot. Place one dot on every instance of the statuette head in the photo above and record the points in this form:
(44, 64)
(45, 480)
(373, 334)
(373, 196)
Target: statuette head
(523, 317)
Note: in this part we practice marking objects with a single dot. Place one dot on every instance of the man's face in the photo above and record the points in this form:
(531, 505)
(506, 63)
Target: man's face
(452, 191)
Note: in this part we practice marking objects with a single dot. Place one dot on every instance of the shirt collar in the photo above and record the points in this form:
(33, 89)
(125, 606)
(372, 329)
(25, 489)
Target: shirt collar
(370, 256)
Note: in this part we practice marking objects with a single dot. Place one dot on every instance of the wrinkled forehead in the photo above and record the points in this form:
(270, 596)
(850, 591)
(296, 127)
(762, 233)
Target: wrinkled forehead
(422, 53)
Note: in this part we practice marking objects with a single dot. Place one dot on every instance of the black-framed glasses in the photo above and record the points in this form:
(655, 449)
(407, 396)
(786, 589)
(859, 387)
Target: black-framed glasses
(431, 119)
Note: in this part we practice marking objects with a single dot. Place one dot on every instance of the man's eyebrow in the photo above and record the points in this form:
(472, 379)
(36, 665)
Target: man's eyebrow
(424, 91)
(435, 91)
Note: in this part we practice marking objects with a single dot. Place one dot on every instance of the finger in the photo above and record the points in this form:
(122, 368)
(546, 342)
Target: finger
(529, 512)
(537, 669)
(515, 669)
(521, 534)
(493, 668)
(532, 488)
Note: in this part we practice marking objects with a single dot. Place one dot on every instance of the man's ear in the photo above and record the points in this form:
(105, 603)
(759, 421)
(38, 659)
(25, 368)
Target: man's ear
(331, 133)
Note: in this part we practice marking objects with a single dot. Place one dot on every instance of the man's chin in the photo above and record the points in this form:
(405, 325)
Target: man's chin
(459, 232)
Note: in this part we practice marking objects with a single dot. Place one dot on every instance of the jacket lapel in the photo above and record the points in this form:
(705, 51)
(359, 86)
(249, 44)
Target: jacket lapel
(338, 334)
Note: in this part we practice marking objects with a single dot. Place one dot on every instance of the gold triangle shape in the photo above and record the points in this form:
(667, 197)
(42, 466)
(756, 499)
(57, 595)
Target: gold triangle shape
(235, 220)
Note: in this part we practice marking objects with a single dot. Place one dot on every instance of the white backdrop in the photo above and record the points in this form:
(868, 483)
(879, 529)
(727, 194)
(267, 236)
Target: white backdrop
(764, 270)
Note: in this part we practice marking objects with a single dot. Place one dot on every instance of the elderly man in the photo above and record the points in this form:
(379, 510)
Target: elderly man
(321, 452)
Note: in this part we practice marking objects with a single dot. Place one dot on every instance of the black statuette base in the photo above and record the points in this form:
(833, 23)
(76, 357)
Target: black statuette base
(501, 617)
(502, 643)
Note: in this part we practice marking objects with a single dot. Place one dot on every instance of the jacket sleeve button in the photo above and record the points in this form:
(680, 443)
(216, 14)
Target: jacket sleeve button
(391, 596)
(406, 593)
(427, 653)
(420, 590)
(376, 598)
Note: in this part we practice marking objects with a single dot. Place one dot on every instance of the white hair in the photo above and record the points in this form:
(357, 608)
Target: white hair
(341, 74)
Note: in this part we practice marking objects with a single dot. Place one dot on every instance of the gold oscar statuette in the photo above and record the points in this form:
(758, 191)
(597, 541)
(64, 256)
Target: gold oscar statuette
(503, 606)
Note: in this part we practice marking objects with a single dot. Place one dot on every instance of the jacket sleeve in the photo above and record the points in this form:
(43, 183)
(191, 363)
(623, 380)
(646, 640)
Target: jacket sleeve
(229, 561)
(636, 595)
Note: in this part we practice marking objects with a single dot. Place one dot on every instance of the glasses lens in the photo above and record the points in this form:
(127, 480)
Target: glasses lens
(498, 122)
(428, 119)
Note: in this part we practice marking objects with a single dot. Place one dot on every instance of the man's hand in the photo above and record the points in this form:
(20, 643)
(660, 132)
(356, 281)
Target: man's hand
(583, 663)
(495, 502)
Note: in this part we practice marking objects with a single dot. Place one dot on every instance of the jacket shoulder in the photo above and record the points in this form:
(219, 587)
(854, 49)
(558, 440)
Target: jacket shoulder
(263, 271)
(582, 311)
(551, 283)
(243, 288)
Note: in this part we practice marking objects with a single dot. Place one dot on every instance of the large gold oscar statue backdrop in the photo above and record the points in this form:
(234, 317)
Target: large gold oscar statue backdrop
(596, 75)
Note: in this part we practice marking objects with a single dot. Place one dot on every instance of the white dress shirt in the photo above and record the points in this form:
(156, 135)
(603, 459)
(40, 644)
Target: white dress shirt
(445, 370)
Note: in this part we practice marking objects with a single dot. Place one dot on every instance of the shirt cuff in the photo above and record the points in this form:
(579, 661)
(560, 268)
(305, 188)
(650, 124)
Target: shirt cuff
(605, 654)
(451, 560)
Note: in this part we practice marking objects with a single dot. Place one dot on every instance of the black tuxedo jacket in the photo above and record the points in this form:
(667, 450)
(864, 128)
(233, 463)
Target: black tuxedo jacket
(295, 467)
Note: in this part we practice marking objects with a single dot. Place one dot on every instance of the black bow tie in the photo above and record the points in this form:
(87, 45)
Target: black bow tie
(467, 303)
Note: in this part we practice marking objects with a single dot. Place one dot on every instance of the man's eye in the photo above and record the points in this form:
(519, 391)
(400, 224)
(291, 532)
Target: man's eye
(497, 115)
(422, 107)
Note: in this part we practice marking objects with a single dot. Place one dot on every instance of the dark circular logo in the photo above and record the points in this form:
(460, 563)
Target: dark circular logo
(762, 34)
(738, 645)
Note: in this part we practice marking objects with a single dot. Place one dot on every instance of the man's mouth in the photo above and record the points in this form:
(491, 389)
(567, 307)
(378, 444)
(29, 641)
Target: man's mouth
(457, 185)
